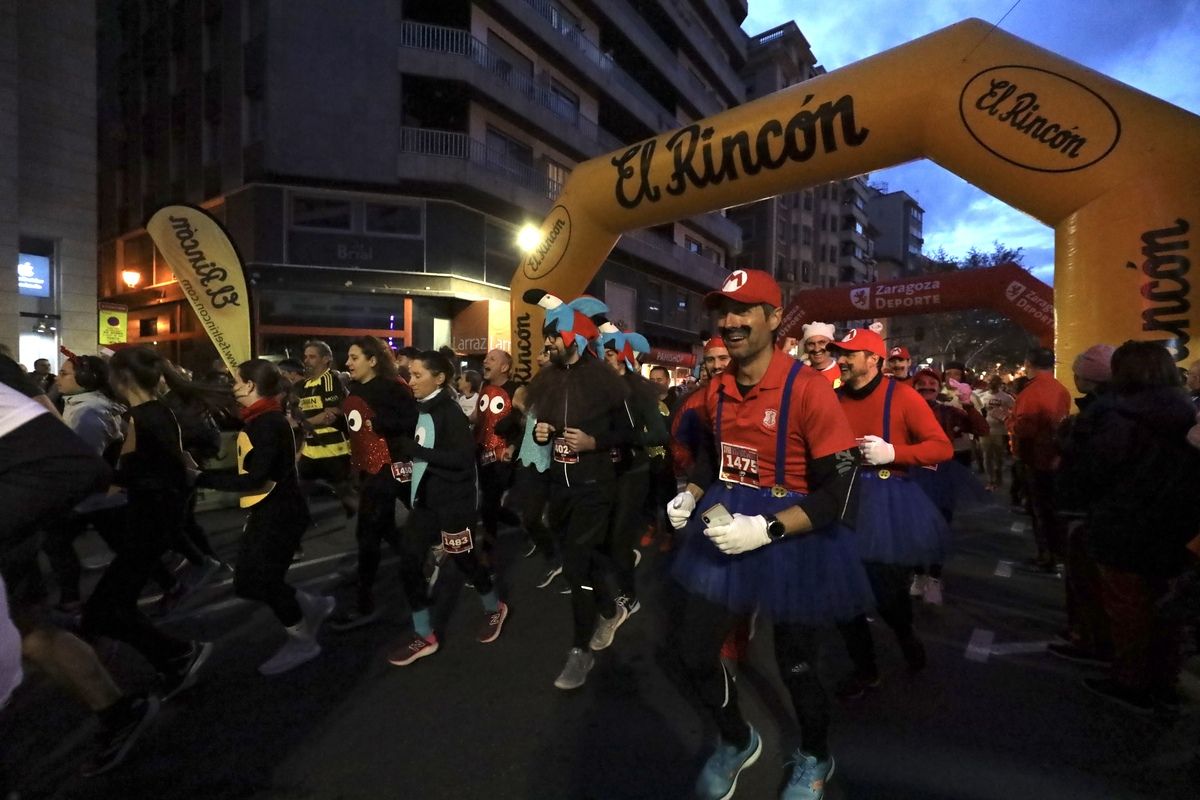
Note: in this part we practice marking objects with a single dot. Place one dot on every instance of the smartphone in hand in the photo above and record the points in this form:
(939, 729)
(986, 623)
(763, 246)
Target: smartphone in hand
(716, 515)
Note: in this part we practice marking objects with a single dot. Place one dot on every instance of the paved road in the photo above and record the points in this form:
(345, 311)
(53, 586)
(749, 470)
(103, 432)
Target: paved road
(990, 718)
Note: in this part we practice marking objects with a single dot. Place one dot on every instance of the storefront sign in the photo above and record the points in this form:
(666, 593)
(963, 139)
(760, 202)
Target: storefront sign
(114, 324)
(480, 327)
(670, 358)
(33, 275)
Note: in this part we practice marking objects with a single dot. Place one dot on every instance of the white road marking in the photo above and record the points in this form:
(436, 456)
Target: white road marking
(1004, 569)
(1015, 648)
(980, 646)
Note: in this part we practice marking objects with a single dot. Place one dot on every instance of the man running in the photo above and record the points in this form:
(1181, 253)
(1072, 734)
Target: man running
(897, 525)
(326, 453)
(763, 507)
(497, 433)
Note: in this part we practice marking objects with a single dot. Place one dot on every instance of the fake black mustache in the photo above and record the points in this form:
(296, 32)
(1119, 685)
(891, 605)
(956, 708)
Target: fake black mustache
(744, 330)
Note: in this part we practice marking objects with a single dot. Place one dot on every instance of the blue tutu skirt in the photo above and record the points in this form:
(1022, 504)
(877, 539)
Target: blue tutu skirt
(815, 578)
(952, 487)
(897, 523)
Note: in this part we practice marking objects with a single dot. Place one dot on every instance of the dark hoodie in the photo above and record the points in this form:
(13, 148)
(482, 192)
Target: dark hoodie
(1140, 479)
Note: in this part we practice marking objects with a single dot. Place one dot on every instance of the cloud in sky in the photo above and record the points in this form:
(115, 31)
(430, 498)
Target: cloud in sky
(1150, 46)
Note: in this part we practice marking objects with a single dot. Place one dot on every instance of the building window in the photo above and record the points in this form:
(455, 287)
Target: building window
(321, 212)
(566, 102)
(806, 234)
(748, 226)
(507, 59)
(693, 246)
(563, 20)
(557, 175)
(806, 271)
(808, 200)
(396, 220)
(653, 301)
(507, 153)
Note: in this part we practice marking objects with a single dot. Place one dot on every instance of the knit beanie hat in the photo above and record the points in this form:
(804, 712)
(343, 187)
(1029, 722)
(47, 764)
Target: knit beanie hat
(1095, 363)
(817, 329)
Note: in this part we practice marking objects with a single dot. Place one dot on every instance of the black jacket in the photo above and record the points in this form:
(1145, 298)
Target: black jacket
(1141, 479)
(271, 458)
(447, 490)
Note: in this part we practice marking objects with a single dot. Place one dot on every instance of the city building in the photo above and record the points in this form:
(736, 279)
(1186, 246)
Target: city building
(374, 160)
(898, 218)
(48, 179)
(815, 237)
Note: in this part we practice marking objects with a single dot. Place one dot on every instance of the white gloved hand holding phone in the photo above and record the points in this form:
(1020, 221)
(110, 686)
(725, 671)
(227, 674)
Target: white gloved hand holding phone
(741, 535)
(875, 451)
(680, 509)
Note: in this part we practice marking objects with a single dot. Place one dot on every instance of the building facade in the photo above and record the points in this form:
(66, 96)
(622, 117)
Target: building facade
(373, 161)
(47, 179)
(815, 237)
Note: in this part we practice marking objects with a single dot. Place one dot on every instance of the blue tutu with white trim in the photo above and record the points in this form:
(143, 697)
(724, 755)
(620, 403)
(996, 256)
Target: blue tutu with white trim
(897, 523)
(952, 487)
(815, 578)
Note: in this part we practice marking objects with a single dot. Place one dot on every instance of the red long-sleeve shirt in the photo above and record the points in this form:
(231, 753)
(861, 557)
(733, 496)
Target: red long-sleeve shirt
(915, 432)
(1040, 408)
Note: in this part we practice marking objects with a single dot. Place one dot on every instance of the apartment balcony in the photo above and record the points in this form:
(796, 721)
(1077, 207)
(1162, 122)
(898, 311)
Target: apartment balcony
(698, 37)
(663, 253)
(593, 63)
(727, 24)
(433, 156)
(457, 55)
(633, 26)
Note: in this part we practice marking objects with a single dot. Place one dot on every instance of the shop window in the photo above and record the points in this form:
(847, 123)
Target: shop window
(397, 220)
(321, 212)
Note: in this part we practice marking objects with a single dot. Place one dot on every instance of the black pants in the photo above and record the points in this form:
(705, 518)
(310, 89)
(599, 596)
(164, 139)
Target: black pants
(703, 629)
(376, 524)
(45, 470)
(422, 532)
(530, 491)
(494, 480)
(269, 540)
(579, 515)
(627, 522)
(662, 490)
(193, 539)
(889, 583)
(59, 545)
(1047, 529)
(112, 610)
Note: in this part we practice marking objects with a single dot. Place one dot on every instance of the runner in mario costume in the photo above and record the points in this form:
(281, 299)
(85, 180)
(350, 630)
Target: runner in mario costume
(777, 544)
(897, 525)
(899, 362)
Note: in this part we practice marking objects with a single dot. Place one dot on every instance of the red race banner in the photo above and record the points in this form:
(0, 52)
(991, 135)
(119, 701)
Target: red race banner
(1008, 289)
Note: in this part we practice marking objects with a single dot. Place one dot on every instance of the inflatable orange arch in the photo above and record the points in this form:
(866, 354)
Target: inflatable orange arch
(1112, 169)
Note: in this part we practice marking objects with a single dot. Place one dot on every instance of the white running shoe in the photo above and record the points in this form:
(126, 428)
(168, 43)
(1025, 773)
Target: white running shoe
(296, 650)
(917, 589)
(575, 672)
(606, 628)
(933, 592)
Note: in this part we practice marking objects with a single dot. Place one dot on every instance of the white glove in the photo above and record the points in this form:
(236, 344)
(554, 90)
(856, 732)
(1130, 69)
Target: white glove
(743, 534)
(680, 509)
(876, 451)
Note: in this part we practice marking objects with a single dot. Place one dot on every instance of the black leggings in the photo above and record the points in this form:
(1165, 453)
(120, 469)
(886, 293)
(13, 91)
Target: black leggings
(422, 532)
(59, 546)
(529, 494)
(273, 530)
(376, 524)
(112, 610)
(889, 583)
(627, 520)
(494, 480)
(580, 517)
(703, 630)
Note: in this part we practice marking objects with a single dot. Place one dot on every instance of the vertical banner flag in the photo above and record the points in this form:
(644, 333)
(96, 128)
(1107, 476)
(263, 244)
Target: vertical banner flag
(209, 271)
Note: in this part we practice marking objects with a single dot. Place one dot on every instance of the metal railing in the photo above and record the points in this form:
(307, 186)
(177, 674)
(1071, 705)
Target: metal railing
(455, 41)
(592, 52)
(460, 146)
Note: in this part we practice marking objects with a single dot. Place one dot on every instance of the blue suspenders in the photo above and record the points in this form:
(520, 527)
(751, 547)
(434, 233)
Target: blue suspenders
(781, 430)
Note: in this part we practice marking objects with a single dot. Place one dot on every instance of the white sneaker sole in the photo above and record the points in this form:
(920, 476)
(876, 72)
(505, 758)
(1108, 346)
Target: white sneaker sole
(269, 669)
(749, 762)
(599, 642)
(566, 687)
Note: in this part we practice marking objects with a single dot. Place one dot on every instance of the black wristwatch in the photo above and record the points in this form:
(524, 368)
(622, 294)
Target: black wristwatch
(775, 528)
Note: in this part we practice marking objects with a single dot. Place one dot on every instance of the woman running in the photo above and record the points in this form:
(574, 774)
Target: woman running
(442, 483)
(277, 518)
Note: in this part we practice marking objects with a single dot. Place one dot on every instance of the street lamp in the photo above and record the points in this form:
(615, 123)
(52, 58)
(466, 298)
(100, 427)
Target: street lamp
(528, 238)
(131, 278)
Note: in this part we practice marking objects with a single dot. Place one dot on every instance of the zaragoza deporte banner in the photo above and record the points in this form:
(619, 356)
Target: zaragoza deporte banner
(209, 271)
(1111, 169)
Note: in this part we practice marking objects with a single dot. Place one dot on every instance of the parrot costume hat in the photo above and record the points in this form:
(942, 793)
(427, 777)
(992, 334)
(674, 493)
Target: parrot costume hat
(629, 344)
(571, 321)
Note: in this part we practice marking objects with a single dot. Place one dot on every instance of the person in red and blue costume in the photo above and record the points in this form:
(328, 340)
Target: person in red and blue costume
(897, 525)
(780, 458)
